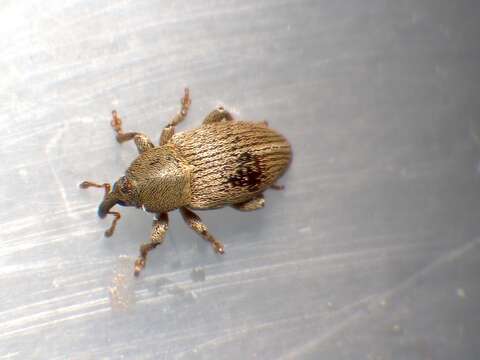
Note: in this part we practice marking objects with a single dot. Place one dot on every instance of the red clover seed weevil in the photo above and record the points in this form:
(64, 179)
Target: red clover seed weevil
(224, 162)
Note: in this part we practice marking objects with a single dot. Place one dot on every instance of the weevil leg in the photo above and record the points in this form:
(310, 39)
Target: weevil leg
(142, 141)
(159, 229)
(194, 221)
(169, 130)
(277, 187)
(109, 232)
(256, 203)
(217, 115)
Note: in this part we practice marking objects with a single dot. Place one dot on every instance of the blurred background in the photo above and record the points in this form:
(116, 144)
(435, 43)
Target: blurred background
(372, 251)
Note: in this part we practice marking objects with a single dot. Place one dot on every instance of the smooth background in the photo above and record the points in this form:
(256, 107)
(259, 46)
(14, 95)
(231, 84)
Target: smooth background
(371, 252)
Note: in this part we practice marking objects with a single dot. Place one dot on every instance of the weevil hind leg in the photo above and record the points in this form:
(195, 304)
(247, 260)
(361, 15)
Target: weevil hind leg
(142, 141)
(194, 221)
(159, 229)
(256, 203)
(277, 187)
(217, 115)
(169, 130)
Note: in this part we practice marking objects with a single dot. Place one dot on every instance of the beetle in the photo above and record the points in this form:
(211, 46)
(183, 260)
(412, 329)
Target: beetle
(224, 162)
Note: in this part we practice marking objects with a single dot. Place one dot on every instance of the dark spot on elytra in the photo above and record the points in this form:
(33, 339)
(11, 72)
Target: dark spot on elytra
(245, 157)
(248, 173)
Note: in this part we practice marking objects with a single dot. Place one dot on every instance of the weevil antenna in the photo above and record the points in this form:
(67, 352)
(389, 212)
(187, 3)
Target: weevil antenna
(87, 184)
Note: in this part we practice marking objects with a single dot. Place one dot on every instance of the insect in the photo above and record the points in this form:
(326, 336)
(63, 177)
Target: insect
(224, 162)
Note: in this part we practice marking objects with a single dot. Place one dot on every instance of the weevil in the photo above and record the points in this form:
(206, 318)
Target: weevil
(224, 162)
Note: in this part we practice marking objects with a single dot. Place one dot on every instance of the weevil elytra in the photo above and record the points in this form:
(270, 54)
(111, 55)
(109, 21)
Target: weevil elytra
(224, 162)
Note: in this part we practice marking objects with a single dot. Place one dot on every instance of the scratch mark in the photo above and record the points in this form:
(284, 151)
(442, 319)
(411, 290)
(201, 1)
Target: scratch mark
(50, 145)
(454, 254)
(9, 355)
(245, 330)
(54, 322)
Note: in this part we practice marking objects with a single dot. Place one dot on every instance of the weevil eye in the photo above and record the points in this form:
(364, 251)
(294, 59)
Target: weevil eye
(126, 186)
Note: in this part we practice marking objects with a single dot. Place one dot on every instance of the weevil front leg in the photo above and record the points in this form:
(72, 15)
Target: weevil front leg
(169, 130)
(256, 203)
(142, 141)
(159, 229)
(194, 221)
(217, 115)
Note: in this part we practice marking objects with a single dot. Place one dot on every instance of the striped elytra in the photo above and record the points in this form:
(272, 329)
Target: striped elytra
(231, 161)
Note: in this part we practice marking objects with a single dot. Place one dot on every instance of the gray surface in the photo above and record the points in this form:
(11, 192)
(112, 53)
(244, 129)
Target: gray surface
(371, 252)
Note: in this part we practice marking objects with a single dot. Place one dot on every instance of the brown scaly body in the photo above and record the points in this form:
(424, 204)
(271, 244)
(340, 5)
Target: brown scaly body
(223, 162)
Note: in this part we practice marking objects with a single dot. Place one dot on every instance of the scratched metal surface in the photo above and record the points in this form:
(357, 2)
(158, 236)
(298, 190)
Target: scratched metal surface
(371, 252)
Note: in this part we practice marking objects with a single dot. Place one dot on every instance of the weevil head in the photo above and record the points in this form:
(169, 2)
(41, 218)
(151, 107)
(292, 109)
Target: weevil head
(124, 193)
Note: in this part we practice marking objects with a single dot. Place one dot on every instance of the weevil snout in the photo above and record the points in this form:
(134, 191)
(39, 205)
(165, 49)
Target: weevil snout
(108, 202)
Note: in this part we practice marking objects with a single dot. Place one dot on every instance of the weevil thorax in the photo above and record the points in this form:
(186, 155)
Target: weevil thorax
(160, 178)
